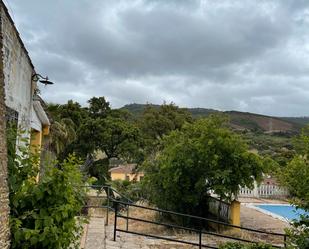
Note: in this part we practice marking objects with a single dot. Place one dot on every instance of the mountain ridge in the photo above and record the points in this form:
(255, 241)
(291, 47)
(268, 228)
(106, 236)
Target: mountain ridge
(239, 120)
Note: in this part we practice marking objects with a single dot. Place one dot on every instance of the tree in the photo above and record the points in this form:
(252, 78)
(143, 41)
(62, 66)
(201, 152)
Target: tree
(111, 135)
(295, 177)
(157, 122)
(73, 111)
(99, 107)
(62, 134)
(200, 157)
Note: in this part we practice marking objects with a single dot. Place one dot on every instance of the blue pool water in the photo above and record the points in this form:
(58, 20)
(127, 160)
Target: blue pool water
(287, 211)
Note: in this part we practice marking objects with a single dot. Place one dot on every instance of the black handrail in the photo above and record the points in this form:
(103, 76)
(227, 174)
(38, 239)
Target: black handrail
(127, 203)
(109, 187)
(199, 231)
(110, 193)
(200, 218)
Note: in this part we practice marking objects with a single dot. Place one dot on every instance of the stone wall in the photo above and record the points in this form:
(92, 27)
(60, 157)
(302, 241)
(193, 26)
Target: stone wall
(4, 201)
(16, 91)
(18, 71)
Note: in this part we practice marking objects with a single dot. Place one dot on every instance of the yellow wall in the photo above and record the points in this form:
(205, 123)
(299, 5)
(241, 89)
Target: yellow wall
(235, 213)
(46, 130)
(35, 145)
(123, 176)
(36, 140)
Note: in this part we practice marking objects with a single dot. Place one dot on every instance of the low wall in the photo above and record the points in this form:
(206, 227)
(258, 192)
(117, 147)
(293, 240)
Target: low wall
(264, 191)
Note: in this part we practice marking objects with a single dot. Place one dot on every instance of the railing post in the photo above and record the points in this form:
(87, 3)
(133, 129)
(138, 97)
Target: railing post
(115, 221)
(107, 214)
(200, 240)
(128, 206)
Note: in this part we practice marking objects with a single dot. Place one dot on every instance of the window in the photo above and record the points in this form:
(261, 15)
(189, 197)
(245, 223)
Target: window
(11, 116)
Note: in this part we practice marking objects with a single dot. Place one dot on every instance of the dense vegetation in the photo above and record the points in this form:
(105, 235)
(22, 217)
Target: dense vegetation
(200, 157)
(43, 213)
(99, 134)
(184, 156)
(295, 177)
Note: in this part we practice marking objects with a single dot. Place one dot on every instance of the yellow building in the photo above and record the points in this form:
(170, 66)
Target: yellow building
(39, 125)
(126, 172)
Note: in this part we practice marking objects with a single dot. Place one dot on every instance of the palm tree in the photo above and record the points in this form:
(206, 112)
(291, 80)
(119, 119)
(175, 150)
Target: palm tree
(62, 133)
(4, 192)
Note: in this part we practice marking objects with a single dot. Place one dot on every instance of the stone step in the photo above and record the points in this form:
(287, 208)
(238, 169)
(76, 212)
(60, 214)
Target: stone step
(95, 234)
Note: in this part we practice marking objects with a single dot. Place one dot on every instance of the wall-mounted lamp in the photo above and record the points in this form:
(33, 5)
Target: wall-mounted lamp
(44, 80)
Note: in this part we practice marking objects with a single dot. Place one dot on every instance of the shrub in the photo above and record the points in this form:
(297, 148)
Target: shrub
(132, 190)
(230, 245)
(299, 233)
(43, 214)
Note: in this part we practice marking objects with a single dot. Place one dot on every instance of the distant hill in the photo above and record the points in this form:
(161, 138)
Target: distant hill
(137, 110)
(241, 120)
(298, 120)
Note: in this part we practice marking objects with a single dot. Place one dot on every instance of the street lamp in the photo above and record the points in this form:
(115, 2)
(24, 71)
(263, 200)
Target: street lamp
(44, 80)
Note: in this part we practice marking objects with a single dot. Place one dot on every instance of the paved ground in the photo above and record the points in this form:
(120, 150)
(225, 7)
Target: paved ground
(98, 237)
(94, 234)
(252, 218)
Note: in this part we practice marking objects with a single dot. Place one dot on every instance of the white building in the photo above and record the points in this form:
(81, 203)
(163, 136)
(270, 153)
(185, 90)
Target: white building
(20, 88)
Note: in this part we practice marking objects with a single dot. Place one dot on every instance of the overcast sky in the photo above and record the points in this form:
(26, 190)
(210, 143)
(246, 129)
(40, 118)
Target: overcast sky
(227, 55)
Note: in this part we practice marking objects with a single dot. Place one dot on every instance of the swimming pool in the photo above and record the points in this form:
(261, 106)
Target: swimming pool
(286, 211)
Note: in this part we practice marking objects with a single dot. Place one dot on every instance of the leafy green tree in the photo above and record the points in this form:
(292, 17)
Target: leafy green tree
(157, 122)
(295, 177)
(200, 157)
(99, 107)
(65, 122)
(301, 142)
(110, 135)
(74, 111)
(91, 130)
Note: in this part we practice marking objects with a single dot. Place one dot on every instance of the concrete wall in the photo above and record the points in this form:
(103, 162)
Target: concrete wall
(18, 72)
(4, 200)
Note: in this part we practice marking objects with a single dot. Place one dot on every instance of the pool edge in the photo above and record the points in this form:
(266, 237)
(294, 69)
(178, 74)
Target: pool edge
(276, 216)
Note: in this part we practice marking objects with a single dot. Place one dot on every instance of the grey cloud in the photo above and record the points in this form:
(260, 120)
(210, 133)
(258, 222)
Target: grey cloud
(217, 54)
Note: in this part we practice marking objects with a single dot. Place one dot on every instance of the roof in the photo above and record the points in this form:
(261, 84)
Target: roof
(124, 169)
(41, 113)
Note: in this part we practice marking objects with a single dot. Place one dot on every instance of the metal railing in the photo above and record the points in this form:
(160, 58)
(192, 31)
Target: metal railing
(200, 232)
(104, 193)
(220, 209)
